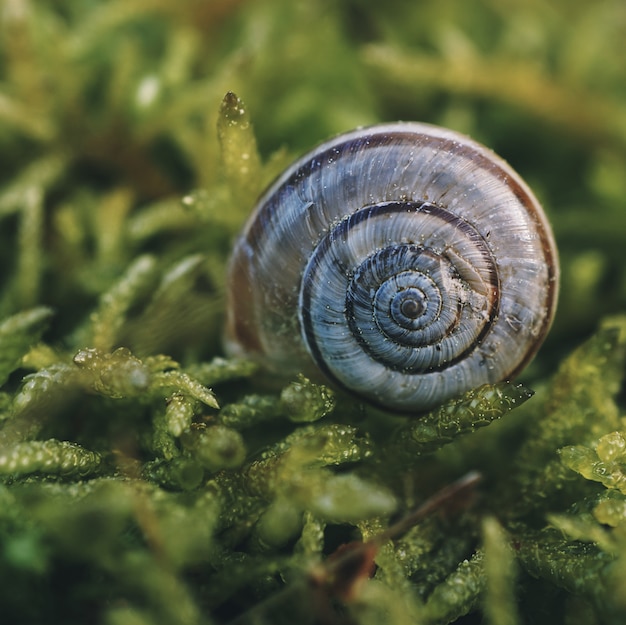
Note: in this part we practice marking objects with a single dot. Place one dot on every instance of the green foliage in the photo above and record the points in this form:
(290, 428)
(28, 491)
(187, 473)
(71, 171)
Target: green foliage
(144, 478)
(17, 334)
(49, 456)
(500, 570)
(475, 409)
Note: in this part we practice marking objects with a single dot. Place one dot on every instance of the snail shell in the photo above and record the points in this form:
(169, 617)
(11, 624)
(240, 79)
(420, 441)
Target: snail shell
(404, 261)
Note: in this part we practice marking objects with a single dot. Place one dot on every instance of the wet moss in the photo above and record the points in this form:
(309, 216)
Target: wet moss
(146, 479)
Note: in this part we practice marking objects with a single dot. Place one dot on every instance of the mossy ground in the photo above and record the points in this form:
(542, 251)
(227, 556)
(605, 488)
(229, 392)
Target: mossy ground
(146, 480)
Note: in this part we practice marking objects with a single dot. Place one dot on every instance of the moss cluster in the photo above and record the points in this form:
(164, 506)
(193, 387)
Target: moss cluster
(147, 480)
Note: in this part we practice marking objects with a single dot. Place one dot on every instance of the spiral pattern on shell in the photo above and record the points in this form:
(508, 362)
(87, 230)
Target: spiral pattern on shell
(405, 262)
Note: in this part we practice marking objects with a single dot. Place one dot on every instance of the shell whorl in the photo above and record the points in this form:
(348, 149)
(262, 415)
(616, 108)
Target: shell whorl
(404, 261)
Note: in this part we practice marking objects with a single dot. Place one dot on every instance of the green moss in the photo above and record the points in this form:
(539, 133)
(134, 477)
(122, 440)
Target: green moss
(145, 478)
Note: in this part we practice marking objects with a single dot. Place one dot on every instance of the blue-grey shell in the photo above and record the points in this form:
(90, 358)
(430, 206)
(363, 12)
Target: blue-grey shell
(405, 262)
